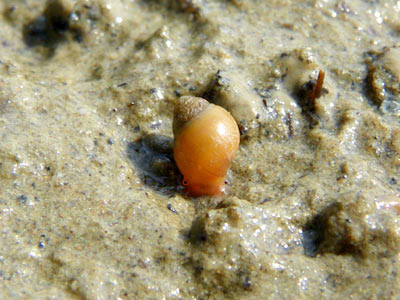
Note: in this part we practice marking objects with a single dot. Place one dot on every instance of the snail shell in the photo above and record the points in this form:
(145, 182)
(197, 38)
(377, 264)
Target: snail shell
(206, 138)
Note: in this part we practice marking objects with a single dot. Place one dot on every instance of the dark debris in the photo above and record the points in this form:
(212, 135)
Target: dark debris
(22, 199)
(311, 91)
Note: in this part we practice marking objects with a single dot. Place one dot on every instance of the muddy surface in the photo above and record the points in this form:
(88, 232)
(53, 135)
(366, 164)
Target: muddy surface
(91, 205)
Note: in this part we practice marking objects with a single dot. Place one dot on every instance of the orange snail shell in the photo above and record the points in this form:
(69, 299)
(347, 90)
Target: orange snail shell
(206, 138)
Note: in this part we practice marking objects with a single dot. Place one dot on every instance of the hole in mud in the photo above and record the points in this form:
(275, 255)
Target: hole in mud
(50, 28)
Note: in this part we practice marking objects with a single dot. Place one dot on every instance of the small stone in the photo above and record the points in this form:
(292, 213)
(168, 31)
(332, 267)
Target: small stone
(169, 206)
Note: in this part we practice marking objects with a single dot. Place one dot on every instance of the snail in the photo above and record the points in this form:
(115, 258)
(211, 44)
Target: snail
(206, 138)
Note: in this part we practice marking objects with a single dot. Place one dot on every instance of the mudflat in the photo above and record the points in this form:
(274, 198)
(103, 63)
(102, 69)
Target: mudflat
(91, 201)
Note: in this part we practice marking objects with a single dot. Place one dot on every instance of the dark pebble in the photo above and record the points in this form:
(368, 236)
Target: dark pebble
(169, 206)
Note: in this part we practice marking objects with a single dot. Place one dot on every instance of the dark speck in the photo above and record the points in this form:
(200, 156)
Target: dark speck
(169, 206)
(78, 37)
(136, 129)
(22, 199)
(247, 283)
(265, 102)
(122, 84)
(265, 200)
(41, 245)
(110, 141)
(393, 181)
(243, 129)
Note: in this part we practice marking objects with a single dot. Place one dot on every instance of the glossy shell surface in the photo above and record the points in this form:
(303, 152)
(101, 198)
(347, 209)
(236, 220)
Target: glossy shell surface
(204, 148)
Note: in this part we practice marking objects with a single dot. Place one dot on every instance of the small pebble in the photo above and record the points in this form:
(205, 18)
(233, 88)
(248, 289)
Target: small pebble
(169, 206)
